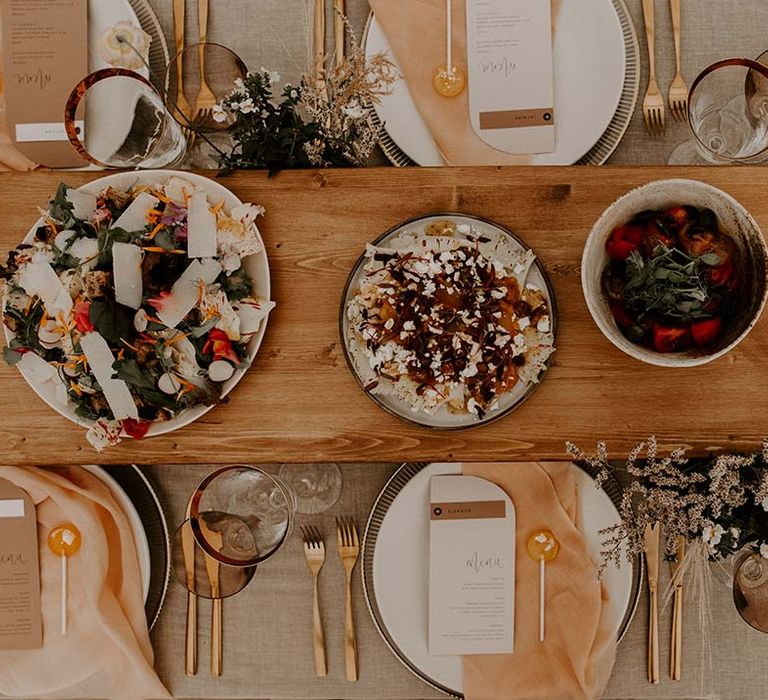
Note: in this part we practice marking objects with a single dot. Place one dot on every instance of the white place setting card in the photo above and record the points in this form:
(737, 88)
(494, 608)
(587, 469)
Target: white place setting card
(511, 85)
(471, 567)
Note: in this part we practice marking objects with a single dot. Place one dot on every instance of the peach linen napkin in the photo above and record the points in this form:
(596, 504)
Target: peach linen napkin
(415, 30)
(576, 658)
(107, 652)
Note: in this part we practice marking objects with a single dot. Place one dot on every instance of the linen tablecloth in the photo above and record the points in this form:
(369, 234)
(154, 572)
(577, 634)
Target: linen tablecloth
(268, 627)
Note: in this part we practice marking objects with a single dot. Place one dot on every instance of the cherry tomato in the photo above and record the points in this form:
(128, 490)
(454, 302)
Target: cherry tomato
(655, 237)
(623, 240)
(706, 332)
(137, 429)
(722, 275)
(675, 218)
(620, 314)
(671, 338)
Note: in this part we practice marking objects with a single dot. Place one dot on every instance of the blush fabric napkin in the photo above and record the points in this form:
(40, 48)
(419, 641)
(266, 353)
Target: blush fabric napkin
(577, 656)
(107, 652)
(416, 32)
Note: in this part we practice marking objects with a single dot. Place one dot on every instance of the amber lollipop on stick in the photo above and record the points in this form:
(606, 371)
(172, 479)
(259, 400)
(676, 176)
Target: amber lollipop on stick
(542, 547)
(64, 541)
(449, 79)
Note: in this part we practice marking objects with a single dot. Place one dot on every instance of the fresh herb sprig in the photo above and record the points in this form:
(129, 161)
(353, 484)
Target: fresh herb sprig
(671, 283)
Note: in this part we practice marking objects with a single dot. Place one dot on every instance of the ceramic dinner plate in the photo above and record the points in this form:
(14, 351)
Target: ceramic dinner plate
(396, 567)
(596, 78)
(257, 267)
(443, 419)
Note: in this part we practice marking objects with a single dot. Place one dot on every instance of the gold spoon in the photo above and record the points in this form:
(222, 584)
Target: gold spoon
(64, 541)
(449, 80)
(542, 547)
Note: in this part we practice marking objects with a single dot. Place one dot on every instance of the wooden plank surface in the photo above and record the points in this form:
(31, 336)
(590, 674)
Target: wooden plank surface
(299, 402)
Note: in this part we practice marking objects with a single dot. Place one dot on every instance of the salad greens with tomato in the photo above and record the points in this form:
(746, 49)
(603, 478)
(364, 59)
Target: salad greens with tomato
(672, 282)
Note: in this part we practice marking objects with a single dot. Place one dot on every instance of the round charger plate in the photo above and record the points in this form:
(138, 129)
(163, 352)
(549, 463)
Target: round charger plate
(257, 267)
(395, 563)
(443, 419)
(142, 495)
(597, 81)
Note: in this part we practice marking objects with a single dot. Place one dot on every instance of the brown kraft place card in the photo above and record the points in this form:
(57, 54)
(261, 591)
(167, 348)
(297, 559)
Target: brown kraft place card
(45, 54)
(21, 625)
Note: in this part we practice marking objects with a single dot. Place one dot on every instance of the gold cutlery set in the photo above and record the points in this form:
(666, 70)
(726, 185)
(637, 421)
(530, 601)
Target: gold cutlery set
(199, 112)
(653, 103)
(339, 31)
(652, 537)
(348, 546)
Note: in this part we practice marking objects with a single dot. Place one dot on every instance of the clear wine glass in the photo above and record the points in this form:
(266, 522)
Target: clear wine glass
(727, 115)
(750, 591)
(239, 516)
(140, 132)
(317, 486)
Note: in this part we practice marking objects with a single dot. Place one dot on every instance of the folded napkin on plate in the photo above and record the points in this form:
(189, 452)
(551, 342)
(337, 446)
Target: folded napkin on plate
(576, 658)
(107, 652)
(415, 30)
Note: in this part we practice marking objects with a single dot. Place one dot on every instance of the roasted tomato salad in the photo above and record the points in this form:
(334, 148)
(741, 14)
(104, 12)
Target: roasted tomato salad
(130, 307)
(672, 282)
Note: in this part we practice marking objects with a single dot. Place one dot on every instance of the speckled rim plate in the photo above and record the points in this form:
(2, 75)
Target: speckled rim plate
(608, 142)
(145, 500)
(402, 410)
(394, 486)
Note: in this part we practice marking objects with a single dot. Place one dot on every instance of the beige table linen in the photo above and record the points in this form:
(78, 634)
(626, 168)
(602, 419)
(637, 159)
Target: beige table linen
(574, 662)
(106, 652)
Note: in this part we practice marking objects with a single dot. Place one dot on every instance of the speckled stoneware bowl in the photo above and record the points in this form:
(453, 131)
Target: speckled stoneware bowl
(734, 220)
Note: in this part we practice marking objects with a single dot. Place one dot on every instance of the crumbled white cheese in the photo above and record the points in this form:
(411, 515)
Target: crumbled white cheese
(185, 291)
(523, 322)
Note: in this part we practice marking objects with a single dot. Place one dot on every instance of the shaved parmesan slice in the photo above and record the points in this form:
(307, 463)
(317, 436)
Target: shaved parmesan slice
(86, 250)
(201, 228)
(101, 359)
(251, 312)
(36, 369)
(39, 279)
(83, 204)
(126, 268)
(185, 291)
(134, 218)
(179, 190)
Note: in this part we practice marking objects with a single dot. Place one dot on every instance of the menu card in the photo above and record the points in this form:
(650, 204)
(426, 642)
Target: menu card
(509, 59)
(471, 567)
(45, 54)
(21, 625)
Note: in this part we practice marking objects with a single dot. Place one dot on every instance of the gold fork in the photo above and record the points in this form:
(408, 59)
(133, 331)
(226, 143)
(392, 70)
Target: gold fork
(314, 553)
(678, 90)
(349, 550)
(183, 111)
(653, 104)
(206, 100)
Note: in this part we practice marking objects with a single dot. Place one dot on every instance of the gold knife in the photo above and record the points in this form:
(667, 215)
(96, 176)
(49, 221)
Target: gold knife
(188, 551)
(339, 13)
(676, 644)
(213, 568)
(319, 40)
(652, 561)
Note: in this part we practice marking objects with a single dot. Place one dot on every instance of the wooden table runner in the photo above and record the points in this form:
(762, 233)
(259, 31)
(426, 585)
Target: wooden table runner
(300, 403)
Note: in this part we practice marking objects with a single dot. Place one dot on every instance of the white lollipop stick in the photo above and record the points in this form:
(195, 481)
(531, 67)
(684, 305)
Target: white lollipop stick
(63, 594)
(541, 599)
(449, 35)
